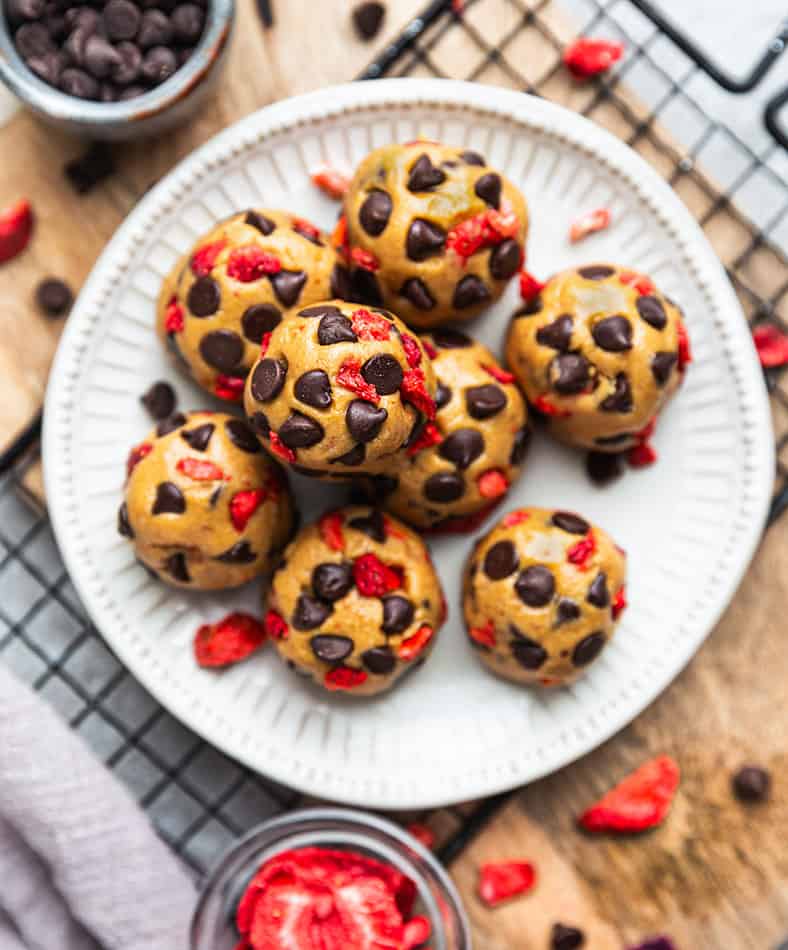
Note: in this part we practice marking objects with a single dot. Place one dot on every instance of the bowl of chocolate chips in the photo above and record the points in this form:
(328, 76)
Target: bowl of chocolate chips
(113, 69)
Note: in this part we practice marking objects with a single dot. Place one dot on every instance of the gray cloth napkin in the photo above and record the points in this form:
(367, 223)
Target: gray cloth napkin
(80, 866)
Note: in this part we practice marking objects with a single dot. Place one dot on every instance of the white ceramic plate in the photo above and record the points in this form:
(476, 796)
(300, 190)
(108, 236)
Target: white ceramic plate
(452, 731)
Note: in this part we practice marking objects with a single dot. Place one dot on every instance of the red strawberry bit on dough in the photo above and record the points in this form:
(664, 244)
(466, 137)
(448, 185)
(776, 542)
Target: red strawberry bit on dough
(205, 257)
(430, 435)
(264, 344)
(173, 316)
(641, 801)
(429, 349)
(250, 263)
(504, 223)
(484, 635)
(350, 377)
(330, 526)
(339, 238)
(374, 578)
(412, 350)
(642, 455)
(344, 677)
(503, 880)
(366, 260)
(485, 229)
(243, 505)
(275, 626)
(515, 517)
(492, 483)
(306, 229)
(619, 603)
(542, 404)
(280, 449)
(229, 641)
(685, 353)
(16, 228)
(414, 391)
(530, 287)
(136, 455)
(582, 551)
(502, 375)
(411, 648)
(370, 326)
(416, 933)
(589, 223)
(201, 470)
(422, 834)
(589, 57)
(331, 181)
(230, 388)
(647, 431)
(643, 285)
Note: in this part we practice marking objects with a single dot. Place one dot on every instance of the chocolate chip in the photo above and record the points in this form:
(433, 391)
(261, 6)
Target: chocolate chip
(384, 373)
(398, 614)
(75, 82)
(501, 560)
(159, 400)
(48, 66)
(287, 286)
(335, 327)
(424, 176)
(603, 467)
(54, 297)
(304, 229)
(216, 494)
(652, 311)
(158, 64)
(131, 92)
(259, 221)
(368, 19)
(415, 290)
(199, 437)
(363, 420)
(505, 259)
(444, 487)
(268, 379)
(566, 938)
(124, 525)
(484, 401)
(424, 240)
(621, 398)
(300, 432)
(310, 612)
(472, 158)
(380, 487)
(354, 457)
(442, 396)
(469, 292)
(528, 653)
(598, 594)
(662, 366)
(596, 272)
(222, 349)
(314, 389)
(173, 422)
(488, 188)
(176, 567)
(332, 581)
(204, 297)
(530, 308)
(321, 310)
(240, 553)
(18, 10)
(90, 169)
(100, 57)
(373, 525)
(566, 611)
(241, 436)
(613, 334)
(448, 339)
(522, 441)
(588, 649)
(462, 447)
(535, 586)
(379, 660)
(570, 373)
(571, 523)
(752, 784)
(341, 284)
(260, 424)
(374, 214)
(121, 20)
(187, 22)
(155, 29)
(557, 335)
(365, 288)
(259, 319)
(127, 68)
(32, 40)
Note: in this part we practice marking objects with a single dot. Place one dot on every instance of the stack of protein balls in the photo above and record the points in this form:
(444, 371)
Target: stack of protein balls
(106, 50)
(339, 349)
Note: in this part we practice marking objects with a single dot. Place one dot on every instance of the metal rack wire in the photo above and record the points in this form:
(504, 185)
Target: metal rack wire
(199, 800)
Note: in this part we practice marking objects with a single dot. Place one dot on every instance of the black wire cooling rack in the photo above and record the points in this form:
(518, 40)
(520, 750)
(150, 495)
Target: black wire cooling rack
(199, 800)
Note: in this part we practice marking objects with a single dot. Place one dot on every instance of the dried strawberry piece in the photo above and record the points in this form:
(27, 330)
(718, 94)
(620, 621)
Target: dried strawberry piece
(589, 223)
(374, 578)
(582, 551)
(430, 435)
(685, 353)
(542, 404)
(350, 377)
(200, 470)
(331, 181)
(136, 455)
(429, 349)
(492, 483)
(339, 238)
(641, 455)
(515, 517)
(370, 326)
(502, 880)
(278, 448)
(412, 350)
(275, 626)
(230, 640)
(330, 526)
(458, 7)
(502, 375)
(530, 287)
(173, 316)
(642, 284)
(16, 228)
(647, 431)
(414, 390)
(422, 834)
(469, 236)
(264, 344)
(250, 262)
(416, 933)
(344, 677)
(306, 229)
(409, 649)
(484, 635)
(639, 802)
(503, 224)
(771, 344)
(366, 260)
(619, 602)
(204, 258)
(588, 57)
(243, 505)
(230, 388)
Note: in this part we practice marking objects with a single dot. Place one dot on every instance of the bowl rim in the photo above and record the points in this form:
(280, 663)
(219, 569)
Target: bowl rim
(52, 102)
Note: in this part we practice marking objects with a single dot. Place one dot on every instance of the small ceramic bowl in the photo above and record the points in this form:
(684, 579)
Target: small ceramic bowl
(167, 105)
(213, 925)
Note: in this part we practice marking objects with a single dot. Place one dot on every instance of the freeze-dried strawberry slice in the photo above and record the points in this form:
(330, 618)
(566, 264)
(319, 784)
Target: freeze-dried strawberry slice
(581, 552)
(503, 224)
(503, 880)
(278, 447)
(250, 262)
(429, 349)
(542, 404)
(416, 933)
(344, 677)
(370, 326)
(642, 284)
(422, 833)
(412, 350)
(200, 470)
(619, 604)
(173, 316)
(414, 390)
(374, 578)
(230, 640)
(264, 344)
(642, 455)
(331, 181)
(771, 344)
(589, 223)
(306, 229)
(330, 526)
(515, 517)
(588, 57)
(484, 635)
(411, 648)
(530, 287)
(204, 258)
(350, 377)
(685, 353)
(16, 227)
(339, 238)
(136, 455)
(230, 388)
(639, 802)
(243, 505)
(366, 260)
(502, 375)
(275, 626)
(430, 435)
(492, 483)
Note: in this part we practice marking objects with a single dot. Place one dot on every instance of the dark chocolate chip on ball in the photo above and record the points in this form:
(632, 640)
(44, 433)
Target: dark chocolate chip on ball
(566, 938)
(300, 432)
(535, 586)
(379, 660)
(652, 311)
(484, 401)
(384, 373)
(501, 560)
(259, 221)
(462, 447)
(598, 594)
(472, 158)
(570, 373)
(752, 783)
(124, 525)
(620, 400)
(470, 292)
(310, 612)
(175, 566)
(241, 436)
(442, 396)
(354, 457)
(222, 349)
(570, 522)
(170, 424)
(90, 168)
(365, 288)
(424, 240)
(662, 366)
(199, 437)
(314, 389)
(588, 649)
(424, 176)
(505, 259)
(331, 582)
(204, 297)
(259, 422)
(566, 611)
(240, 553)
(398, 613)
(375, 212)
(335, 327)
(522, 441)
(287, 286)
(363, 420)
(159, 400)
(528, 653)
(372, 525)
(596, 271)
(447, 339)
(488, 188)
(613, 334)
(557, 335)
(268, 379)
(603, 467)
(415, 290)
(444, 487)
(259, 319)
